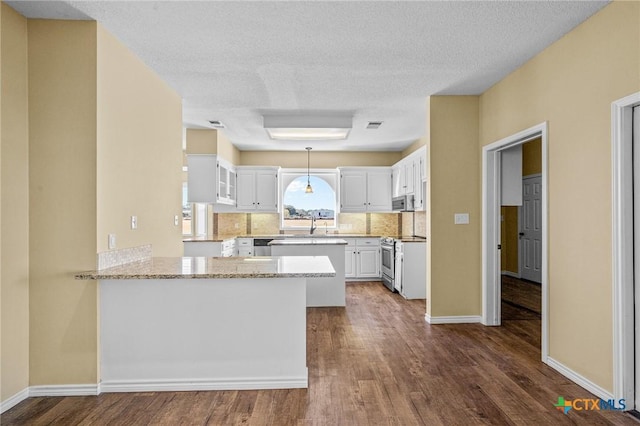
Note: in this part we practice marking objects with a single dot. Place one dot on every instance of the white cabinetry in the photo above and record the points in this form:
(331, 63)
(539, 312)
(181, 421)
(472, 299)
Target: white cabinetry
(257, 188)
(350, 259)
(245, 247)
(404, 175)
(211, 179)
(409, 177)
(362, 258)
(228, 248)
(410, 271)
(227, 182)
(365, 189)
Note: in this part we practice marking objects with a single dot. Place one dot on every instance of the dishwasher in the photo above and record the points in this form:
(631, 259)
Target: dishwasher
(261, 246)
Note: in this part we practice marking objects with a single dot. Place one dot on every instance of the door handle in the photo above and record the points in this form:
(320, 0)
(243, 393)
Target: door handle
(521, 234)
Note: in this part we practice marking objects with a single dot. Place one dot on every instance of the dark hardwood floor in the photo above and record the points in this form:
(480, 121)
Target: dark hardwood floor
(374, 363)
(525, 296)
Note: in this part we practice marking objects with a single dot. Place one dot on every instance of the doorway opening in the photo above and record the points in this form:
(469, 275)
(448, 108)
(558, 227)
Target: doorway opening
(492, 199)
(521, 236)
(625, 153)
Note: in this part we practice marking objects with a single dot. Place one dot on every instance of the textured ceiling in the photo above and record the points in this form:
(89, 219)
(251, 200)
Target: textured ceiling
(234, 61)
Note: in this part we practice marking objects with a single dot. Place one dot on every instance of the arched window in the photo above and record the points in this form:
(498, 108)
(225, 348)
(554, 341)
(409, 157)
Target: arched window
(298, 207)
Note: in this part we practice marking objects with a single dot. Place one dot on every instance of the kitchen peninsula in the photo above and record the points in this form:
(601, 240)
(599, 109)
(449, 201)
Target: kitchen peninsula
(321, 291)
(196, 323)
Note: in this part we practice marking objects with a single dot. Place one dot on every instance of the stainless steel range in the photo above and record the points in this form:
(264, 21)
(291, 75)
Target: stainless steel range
(387, 246)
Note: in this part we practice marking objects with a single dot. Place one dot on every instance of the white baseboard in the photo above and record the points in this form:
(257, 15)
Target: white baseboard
(510, 274)
(14, 400)
(580, 380)
(205, 385)
(462, 319)
(64, 390)
(156, 386)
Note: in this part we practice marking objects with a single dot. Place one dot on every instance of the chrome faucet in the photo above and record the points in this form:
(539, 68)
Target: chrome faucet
(313, 225)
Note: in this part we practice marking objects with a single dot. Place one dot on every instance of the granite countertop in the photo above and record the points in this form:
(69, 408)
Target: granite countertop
(220, 238)
(217, 267)
(308, 242)
(410, 239)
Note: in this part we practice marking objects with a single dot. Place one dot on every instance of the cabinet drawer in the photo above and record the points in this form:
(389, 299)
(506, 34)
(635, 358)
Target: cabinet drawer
(368, 242)
(244, 242)
(351, 242)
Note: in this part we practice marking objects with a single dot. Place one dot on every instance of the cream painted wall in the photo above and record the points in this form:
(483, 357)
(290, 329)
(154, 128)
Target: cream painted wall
(319, 159)
(202, 141)
(62, 190)
(139, 152)
(453, 264)
(14, 204)
(227, 150)
(571, 85)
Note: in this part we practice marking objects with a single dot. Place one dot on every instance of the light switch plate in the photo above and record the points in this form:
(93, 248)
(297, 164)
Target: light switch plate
(134, 222)
(112, 241)
(461, 218)
(176, 221)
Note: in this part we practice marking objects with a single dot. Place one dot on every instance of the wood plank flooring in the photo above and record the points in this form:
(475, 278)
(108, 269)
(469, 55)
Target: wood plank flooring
(375, 362)
(522, 293)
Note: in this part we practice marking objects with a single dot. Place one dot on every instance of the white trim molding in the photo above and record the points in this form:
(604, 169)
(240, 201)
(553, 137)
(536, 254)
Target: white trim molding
(622, 246)
(49, 390)
(64, 390)
(491, 228)
(205, 385)
(460, 319)
(14, 400)
(579, 379)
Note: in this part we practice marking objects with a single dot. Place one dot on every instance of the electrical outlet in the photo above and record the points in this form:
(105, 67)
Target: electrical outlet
(176, 221)
(134, 222)
(112, 241)
(461, 218)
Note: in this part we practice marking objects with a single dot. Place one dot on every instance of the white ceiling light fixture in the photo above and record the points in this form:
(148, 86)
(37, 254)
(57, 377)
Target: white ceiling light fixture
(299, 127)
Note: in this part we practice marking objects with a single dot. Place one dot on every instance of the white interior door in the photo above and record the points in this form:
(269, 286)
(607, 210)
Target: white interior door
(531, 229)
(636, 243)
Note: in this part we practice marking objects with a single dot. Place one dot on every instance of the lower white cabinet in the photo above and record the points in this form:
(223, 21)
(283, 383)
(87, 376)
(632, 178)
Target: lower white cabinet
(245, 247)
(362, 258)
(368, 262)
(350, 259)
(411, 270)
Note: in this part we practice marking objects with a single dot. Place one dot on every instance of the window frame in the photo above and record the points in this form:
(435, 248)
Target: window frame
(289, 175)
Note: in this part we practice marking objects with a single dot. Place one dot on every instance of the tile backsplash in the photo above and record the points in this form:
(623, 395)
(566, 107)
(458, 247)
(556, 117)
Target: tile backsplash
(269, 223)
(414, 223)
(385, 223)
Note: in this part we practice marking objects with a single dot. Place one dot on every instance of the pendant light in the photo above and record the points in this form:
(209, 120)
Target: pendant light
(308, 190)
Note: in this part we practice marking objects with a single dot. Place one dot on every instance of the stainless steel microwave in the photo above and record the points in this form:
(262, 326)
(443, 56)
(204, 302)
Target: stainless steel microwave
(403, 203)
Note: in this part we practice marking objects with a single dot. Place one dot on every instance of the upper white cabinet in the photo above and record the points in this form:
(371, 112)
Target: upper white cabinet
(404, 178)
(211, 179)
(257, 188)
(365, 189)
(227, 182)
(409, 177)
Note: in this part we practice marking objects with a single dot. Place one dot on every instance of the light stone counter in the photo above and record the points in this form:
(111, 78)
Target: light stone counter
(217, 268)
(308, 242)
